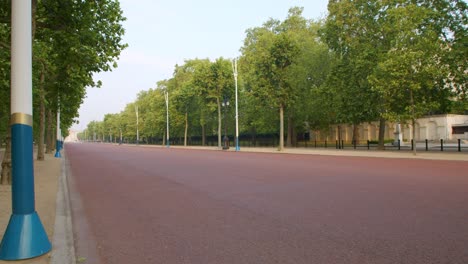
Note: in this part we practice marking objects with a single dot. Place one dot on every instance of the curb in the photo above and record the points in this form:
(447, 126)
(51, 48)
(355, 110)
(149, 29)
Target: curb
(63, 250)
(388, 154)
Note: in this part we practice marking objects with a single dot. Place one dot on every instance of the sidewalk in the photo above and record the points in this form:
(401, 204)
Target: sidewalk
(457, 156)
(46, 175)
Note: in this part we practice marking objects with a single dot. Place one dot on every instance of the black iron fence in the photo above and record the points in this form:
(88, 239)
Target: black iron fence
(425, 145)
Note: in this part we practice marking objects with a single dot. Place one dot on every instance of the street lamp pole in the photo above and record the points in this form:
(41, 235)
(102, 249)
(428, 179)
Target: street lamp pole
(138, 134)
(24, 236)
(234, 68)
(166, 96)
(225, 104)
(57, 143)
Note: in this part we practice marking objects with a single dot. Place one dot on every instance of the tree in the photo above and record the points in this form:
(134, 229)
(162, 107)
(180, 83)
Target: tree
(213, 81)
(184, 93)
(381, 41)
(353, 31)
(413, 75)
(275, 57)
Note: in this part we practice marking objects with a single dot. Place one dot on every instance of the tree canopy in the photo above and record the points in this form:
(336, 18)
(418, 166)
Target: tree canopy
(72, 41)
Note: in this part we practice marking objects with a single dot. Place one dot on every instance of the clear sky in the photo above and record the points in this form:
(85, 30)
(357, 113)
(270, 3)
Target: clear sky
(161, 34)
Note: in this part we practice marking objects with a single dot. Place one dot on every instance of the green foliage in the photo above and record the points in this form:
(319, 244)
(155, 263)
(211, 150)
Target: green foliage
(72, 41)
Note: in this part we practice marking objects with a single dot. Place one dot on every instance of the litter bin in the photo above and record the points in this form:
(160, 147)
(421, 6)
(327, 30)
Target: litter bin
(225, 143)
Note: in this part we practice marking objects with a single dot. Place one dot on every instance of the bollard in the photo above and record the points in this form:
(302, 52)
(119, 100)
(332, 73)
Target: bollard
(459, 145)
(412, 144)
(368, 144)
(441, 145)
(427, 145)
(399, 145)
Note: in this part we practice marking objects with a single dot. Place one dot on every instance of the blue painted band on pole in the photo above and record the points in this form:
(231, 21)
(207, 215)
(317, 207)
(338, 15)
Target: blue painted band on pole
(22, 169)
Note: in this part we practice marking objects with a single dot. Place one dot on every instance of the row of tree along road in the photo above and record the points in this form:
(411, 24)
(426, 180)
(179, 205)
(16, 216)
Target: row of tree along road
(367, 60)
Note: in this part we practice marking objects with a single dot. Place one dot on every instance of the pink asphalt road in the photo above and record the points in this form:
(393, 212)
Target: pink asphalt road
(159, 205)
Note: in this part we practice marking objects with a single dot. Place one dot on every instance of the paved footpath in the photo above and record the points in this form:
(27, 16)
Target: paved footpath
(47, 179)
(46, 176)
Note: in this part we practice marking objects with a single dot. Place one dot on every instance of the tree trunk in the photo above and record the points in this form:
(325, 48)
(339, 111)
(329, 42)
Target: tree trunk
(355, 133)
(33, 18)
(186, 128)
(203, 137)
(293, 134)
(381, 145)
(413, 121)
(281, 139)
(54, 139)
(254, 136)
(40, 142)
(339, 136)
(290, 131)
(5, 178)
(219, 122)
(49, 133)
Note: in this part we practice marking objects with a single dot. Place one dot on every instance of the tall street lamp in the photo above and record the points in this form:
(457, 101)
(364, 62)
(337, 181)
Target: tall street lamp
(225, 104)
(234, 69)
(24, 237)
(138, 134)
(57, 143)
(166, 96)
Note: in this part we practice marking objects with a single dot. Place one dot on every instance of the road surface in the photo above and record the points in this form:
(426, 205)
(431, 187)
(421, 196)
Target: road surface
(158, 205)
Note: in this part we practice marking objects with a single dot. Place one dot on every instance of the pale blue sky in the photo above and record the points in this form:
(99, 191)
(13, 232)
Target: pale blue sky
(161, 34)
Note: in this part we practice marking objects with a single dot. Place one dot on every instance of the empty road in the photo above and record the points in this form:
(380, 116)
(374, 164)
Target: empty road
(158, 205)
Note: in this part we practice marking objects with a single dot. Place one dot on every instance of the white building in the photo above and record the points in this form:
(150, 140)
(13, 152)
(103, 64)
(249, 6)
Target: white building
(72, 136)
(436, 127)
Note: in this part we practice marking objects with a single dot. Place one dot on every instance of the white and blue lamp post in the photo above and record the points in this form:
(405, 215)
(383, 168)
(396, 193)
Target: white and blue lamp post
(166, 96)
(25, 236)
(234, 69)
(225, 105)
(137, 123)
(59, 138)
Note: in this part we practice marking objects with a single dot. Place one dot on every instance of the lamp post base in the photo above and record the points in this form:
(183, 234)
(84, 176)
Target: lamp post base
(24, 238)
(58, 147)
